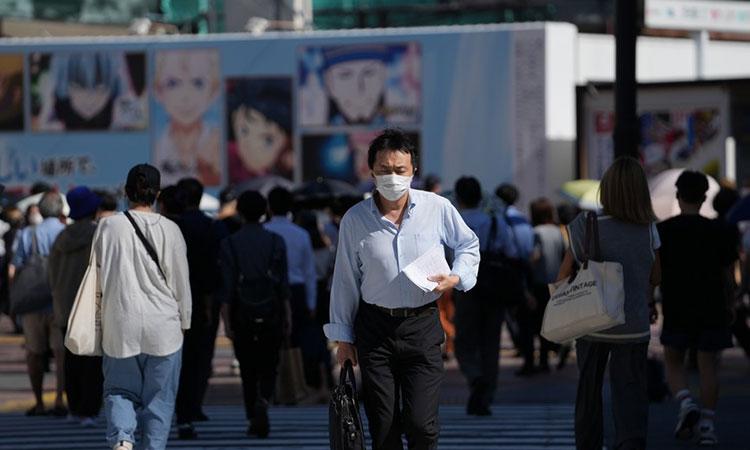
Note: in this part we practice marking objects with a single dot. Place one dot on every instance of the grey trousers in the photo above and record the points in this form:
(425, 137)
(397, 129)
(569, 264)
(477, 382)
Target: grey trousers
(627, 376)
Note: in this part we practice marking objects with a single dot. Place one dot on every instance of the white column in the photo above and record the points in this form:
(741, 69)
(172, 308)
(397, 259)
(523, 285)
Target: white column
(701, 50)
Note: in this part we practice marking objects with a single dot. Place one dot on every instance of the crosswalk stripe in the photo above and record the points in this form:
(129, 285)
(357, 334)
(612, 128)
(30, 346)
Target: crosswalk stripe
(518, 427)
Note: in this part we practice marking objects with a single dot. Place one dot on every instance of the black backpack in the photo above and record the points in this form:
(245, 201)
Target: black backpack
(258, 298)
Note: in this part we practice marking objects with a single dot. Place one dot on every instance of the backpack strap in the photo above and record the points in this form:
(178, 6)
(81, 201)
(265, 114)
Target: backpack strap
(34, 241)
(149, 248)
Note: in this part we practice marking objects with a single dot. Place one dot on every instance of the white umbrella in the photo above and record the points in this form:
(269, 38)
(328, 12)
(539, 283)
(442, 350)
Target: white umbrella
(24, 203)
(209, 203)
(664, 195)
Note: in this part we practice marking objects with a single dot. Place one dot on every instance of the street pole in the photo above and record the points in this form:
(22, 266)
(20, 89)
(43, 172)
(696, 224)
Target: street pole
(626, 136)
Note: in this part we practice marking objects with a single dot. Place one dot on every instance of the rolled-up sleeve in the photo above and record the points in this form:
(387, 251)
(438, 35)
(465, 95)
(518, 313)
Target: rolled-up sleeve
(465, 245)
(345, 289)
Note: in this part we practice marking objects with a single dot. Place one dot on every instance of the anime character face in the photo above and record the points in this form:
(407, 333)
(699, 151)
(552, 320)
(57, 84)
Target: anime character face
(356, 87)
(89, 81)
(259, 140)
(88, 102)
(187, 83)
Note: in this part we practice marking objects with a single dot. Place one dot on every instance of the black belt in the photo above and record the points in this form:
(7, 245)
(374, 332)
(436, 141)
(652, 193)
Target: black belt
(404, 312)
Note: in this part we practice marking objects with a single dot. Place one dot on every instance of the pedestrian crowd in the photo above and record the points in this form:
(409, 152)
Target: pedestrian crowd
(289, 280)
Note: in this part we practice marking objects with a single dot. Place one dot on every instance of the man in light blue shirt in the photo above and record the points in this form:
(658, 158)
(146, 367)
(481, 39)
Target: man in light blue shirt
(39, 329)
(479, 312)
(520, 319)
(381, 319)
(302, 277)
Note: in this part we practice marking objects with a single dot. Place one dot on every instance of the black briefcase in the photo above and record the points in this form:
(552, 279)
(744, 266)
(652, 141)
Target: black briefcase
(344, 422)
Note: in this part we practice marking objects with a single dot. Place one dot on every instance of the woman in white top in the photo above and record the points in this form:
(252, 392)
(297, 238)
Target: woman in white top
(146, 303)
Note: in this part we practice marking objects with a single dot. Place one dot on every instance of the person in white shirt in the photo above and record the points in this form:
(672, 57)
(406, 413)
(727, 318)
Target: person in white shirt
(146, 306)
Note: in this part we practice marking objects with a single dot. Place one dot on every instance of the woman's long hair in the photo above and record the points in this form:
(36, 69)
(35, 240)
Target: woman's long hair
(624, 192)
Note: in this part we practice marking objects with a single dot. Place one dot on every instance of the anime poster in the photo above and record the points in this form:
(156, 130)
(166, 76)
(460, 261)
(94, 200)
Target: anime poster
(672, 138)
(187, 116)
(259, 128)
(11, 92)
(342, 156)
(88, 90)
(361, 84)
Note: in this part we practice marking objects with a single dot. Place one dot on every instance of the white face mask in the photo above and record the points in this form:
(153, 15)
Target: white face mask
(392, 186)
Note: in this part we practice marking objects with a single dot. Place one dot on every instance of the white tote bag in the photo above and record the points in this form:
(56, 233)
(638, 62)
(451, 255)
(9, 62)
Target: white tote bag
(84, 335)
(590, 301)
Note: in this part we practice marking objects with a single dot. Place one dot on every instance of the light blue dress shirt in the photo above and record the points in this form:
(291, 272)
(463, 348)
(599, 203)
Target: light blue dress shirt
(372, 253)
(46, 233)
(521, 236)
(300, 257)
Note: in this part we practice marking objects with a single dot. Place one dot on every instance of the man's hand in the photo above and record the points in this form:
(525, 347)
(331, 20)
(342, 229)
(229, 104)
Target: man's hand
(346, 351)
(445, 282)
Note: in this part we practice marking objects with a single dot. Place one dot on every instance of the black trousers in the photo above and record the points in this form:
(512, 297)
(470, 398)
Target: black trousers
(308, 336)
(258, 355)
(627, 376)
(478, 324)
(194, 373)
(530, 326)
(83, 384)
(402, 370)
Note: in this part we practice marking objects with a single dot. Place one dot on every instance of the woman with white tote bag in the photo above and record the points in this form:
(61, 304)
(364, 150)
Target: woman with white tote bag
(628, 236)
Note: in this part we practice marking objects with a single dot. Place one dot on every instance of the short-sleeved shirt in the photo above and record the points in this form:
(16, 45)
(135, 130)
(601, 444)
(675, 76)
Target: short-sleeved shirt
(695, 255)
(633, 246)
(551, 246)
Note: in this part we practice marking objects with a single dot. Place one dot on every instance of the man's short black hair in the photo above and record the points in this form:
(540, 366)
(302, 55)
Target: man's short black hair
(109, 201)
(507, 193)
(192, 191)
(692, 187)
(280, 201)
(468, 191)
(171, 201)
(251, 206)
(395, 140)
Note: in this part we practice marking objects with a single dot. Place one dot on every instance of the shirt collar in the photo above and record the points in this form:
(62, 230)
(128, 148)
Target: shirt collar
(374, 205)
(277, 219)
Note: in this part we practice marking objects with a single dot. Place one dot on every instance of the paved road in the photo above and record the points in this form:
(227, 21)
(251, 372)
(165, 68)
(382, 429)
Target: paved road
(518, 427)
(529, 413)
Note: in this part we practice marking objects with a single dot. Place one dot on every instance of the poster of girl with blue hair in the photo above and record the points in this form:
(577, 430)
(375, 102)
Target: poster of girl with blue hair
(360, 84)
(88, 90)
(259, 128)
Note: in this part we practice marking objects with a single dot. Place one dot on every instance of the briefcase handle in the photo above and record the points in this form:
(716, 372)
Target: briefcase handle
(347, 371)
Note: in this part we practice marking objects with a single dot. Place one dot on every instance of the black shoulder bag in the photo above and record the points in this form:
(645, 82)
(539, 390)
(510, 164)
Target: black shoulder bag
(344, 421)
(149, 248)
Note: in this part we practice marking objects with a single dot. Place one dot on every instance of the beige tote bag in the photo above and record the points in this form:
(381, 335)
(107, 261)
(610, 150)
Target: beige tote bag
(84, 336)
(590, 301)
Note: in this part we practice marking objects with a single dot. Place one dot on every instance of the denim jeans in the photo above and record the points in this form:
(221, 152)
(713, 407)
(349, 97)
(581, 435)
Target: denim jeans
(140, 392)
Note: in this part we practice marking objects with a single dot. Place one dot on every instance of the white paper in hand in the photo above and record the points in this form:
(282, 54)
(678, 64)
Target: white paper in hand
(429, 264)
